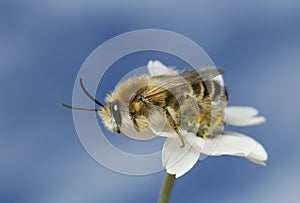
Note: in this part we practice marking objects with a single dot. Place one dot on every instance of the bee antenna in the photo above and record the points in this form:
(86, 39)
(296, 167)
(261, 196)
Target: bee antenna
(89, 95)
(78, 108)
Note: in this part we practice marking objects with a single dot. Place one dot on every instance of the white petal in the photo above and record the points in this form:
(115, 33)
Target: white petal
(194, 141)
(242, 116)
(131, 132)
(259, 155)
(157, 68)
(247, 111)
(178, 160)
(236, 144)
(168, 134)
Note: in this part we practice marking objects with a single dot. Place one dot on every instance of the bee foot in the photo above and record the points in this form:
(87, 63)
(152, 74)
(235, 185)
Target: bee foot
(205, 135)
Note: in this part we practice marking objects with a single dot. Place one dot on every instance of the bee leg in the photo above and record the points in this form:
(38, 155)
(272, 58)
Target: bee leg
(202, 118)
(205, 133)
(172, 122)
(136, 125)
(217, 121)
(133, 117)
(218, 115)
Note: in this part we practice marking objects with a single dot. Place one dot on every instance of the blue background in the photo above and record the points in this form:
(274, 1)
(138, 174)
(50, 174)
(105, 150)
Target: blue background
(43, 45)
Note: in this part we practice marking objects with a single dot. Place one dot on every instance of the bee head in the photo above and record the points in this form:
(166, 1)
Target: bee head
(111, 116)
(110, 113)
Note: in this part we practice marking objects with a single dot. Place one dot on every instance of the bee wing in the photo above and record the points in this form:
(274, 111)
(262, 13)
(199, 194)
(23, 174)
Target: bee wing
(204, 74)
(201, 74)
(172, 82)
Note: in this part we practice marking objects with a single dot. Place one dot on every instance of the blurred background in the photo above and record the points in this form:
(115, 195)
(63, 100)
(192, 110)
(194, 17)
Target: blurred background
(42, 47)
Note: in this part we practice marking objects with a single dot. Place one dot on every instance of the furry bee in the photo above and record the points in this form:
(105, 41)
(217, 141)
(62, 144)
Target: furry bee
(193, 100)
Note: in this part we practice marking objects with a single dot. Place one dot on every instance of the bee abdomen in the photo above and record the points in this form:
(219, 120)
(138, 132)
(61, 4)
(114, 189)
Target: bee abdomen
(200, 90)
(216, 90)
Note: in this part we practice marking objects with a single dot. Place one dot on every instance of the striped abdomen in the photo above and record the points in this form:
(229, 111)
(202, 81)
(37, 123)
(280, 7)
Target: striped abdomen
(211, 90)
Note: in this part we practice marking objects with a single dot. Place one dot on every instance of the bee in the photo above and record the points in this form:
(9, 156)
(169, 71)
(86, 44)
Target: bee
(193, 101)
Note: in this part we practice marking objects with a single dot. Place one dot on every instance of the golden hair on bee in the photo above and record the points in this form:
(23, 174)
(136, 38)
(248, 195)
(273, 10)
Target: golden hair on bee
(132, 105)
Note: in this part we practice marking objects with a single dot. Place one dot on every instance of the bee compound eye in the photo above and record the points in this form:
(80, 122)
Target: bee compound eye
(115, 109)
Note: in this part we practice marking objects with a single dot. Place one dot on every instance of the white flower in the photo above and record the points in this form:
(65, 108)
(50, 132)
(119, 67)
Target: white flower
(179, 160)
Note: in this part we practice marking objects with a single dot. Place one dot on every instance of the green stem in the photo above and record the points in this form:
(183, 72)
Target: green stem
(167, 188)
